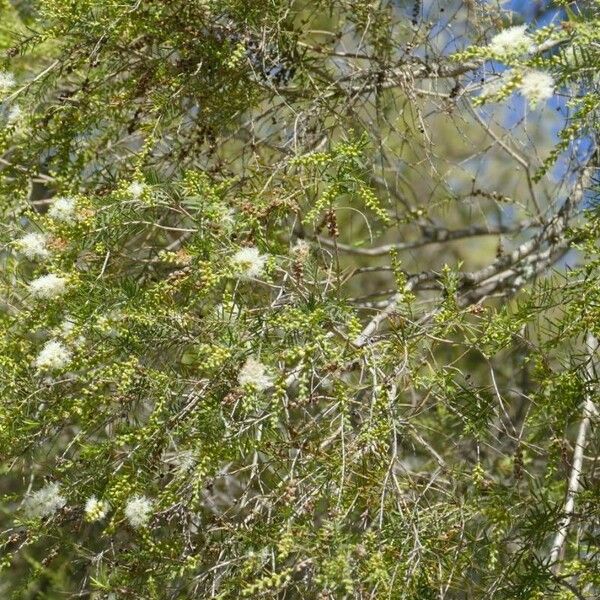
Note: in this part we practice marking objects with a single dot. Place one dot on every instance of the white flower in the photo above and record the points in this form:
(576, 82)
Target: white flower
(138, 511)
(62, 209)
(510, 40)
(33, 246)
(537, 86)
(136, 189)
(254, 373)
(48, 286)
(223, 216)
(185, 460)
(54, 355)
(44, 502)
(301, 249)
(96, 510)
(7, 81)
(14, 114)
(67, 326)
(249, 263)
(228, 217)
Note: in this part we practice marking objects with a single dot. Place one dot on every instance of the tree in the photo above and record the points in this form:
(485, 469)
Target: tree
(299, 300)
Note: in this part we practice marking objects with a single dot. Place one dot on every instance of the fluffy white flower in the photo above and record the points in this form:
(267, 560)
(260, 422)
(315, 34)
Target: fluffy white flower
(254, 373)
(511, 39)
(66, 331)
(249, 262)
(7, 81)
(67, 326)
(62, 209)
(54, 355)
(136, 189)
(185, 460)
(301, 249)
(14, 114)
(48, 286)
(33, 246)
(44, 502)
(224, 216)
(228, 217)
(138, 511)
(96, 510)
(537, 86)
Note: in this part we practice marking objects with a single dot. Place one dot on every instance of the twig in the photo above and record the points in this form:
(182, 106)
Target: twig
(575, 476)
(433, 236)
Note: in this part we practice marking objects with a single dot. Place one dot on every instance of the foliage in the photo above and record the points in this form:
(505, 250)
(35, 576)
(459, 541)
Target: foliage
(292, 306)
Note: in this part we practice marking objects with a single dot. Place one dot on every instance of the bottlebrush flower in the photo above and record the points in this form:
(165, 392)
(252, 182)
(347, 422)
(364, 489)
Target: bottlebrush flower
(54, 355)
(63, 209)
(44, 502)
(537, 86)
(7, 81)
(33, 246)
(249, 262)
(138, 511)
(14, 114)
(136, 189)
(96, 510)
(254, 373)
(48, 286)
(511, 39)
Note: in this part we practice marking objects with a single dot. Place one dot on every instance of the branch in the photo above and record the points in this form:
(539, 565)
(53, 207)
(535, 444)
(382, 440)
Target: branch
(589, 410)
(433, 236)
(503, 268)
(373, 325)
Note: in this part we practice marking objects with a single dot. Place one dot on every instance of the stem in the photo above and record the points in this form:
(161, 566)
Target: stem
(575, 477)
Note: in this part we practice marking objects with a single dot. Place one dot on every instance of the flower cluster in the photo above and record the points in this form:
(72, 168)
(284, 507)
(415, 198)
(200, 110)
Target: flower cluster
(248, 262)
(54, 355)
(96, 510)
(48, 286)
(537, 86)
(63, 209)
(44, 502)
(254, 374)
(33, 246)
(7, 81)
(512, 39)
(138, 511)
(136, 189)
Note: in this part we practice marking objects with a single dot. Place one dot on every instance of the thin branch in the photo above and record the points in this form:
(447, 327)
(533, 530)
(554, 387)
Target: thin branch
(575, 477)
(433, 236)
